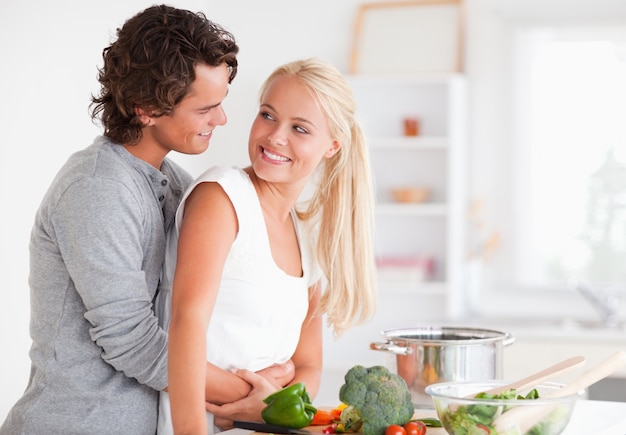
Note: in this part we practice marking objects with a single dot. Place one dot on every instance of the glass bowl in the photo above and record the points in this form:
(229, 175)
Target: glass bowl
(463, 415)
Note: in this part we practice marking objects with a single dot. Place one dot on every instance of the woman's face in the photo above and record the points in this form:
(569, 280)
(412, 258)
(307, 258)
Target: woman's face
(290, 135)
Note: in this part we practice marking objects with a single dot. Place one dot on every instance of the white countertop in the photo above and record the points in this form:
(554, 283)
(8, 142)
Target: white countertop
(590, 417)
(597, 418)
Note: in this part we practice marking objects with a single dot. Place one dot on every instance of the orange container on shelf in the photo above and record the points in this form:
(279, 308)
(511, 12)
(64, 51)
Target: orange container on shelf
(411, 126)
(410, 194)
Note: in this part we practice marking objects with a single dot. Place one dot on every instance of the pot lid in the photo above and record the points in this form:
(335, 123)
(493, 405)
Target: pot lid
(445, 334)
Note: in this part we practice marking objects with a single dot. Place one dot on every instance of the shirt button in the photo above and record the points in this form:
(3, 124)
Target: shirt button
(164, 183)
(161, 198)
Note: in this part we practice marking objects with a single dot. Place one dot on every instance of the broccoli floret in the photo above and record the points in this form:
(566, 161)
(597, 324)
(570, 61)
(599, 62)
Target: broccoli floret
(380, 397)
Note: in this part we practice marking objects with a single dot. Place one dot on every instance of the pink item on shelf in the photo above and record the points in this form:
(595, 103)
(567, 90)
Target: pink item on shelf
(412, 268)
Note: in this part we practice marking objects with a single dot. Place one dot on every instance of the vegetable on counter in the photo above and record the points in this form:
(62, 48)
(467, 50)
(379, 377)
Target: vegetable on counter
(415, 427)
(290, 407)
(478, 419)
(324, 416)
(429, 422)
(377, 399)
(395, 429)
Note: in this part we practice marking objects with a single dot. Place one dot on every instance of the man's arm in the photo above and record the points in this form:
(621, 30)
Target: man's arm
(99, 227)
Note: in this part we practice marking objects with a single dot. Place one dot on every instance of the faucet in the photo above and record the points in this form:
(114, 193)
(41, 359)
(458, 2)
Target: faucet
(606, 302)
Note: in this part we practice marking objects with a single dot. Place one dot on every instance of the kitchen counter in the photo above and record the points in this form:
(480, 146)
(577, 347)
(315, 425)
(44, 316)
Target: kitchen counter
(590, 417)
(598, 418)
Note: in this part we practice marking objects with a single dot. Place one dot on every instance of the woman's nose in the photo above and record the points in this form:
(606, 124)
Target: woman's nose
(277, 137)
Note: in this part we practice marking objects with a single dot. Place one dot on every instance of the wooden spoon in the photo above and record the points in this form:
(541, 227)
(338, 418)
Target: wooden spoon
(525, 417)
(540, 376)
(536, 378)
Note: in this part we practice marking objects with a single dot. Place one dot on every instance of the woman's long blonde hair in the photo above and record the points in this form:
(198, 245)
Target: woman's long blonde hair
(342, 205)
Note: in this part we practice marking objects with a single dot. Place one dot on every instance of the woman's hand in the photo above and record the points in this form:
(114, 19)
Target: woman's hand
(279, 375)
(249, 408)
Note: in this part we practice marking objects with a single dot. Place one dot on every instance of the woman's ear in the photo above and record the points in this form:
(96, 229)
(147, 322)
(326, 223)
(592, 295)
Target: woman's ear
(145, 116)
(334, 148)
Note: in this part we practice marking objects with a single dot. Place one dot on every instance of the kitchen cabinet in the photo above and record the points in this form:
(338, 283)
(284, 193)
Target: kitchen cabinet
(420, 245)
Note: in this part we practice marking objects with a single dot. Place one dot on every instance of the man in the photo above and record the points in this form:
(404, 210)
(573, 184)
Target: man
(98, 355)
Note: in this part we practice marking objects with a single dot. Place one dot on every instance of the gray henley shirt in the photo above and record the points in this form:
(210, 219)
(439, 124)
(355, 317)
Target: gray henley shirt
(97, 246)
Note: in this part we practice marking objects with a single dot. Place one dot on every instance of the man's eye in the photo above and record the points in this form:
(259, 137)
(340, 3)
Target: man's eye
(208, 109)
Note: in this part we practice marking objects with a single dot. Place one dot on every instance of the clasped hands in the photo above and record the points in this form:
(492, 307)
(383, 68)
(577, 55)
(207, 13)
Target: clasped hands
(262, 383)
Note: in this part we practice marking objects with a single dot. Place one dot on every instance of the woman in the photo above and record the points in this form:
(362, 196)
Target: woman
(248, 289)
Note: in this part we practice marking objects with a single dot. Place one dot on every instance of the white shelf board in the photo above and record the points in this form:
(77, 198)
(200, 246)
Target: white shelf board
(411, 287)
(408, 142)
(406, 209)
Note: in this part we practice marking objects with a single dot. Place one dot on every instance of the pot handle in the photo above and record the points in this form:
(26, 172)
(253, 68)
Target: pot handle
(390, 347)
(508, 339)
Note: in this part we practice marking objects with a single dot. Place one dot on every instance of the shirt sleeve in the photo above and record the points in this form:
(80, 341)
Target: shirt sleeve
(99, 226)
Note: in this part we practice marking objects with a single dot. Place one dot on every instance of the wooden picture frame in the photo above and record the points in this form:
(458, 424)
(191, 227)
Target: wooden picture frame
(408, 37)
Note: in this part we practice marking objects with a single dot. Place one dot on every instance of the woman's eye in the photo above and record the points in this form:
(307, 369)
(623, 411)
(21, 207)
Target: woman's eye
(300, 129)
(266, 115)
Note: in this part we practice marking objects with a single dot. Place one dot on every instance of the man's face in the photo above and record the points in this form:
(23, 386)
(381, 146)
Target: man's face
(189, 128)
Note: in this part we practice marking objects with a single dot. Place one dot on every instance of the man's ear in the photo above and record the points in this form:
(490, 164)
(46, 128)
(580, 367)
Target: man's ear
(334, 148)
(145, 116)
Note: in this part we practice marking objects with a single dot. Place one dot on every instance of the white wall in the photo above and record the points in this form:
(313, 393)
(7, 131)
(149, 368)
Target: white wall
(50, 51)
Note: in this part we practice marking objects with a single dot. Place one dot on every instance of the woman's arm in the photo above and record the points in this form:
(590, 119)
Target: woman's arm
(278, 375)
(308, 356)
(223, 386)
(202, 252)
(307, 360)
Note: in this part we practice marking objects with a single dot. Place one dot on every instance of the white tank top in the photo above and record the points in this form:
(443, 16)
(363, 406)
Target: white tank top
(259, 308)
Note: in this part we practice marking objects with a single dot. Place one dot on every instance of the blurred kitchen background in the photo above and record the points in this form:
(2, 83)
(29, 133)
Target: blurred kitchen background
(502, 206)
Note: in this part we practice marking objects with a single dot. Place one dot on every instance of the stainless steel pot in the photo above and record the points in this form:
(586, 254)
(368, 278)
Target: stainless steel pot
(429, 354)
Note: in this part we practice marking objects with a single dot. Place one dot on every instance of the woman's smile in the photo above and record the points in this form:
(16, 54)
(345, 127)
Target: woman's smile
(274, 157)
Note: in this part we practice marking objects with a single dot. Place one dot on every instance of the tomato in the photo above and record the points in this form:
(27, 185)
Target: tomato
(395, 429)
(330, 429)
(415, 428)
(483, 428)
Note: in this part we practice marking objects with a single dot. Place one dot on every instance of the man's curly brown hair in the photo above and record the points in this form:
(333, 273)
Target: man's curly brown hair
(151, 66)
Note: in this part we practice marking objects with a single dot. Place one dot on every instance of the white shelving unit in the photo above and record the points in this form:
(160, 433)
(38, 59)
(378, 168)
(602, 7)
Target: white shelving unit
(434, 159)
